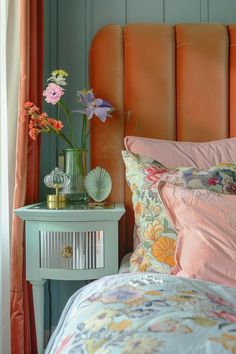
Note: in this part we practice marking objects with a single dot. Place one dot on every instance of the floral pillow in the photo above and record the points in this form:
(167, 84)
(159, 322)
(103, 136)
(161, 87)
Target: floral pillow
(220, 178)
(156, 252)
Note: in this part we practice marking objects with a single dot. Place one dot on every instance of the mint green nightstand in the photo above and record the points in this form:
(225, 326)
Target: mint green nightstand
(75, 243)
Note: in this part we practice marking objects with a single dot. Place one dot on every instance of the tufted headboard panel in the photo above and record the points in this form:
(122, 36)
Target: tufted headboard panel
(167, 82)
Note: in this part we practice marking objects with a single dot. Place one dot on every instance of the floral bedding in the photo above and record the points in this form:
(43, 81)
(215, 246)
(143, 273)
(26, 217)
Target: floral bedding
(146, 313)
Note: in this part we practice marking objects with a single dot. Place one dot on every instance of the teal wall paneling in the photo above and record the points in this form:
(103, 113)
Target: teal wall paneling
(104, 12)
(145, 11)
(69, 28)
(182, 11)
(204, 10)
(222, 11)
(71, 57)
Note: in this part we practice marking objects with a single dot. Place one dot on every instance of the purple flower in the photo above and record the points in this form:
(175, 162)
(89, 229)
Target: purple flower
(94, 106)
(53, 93)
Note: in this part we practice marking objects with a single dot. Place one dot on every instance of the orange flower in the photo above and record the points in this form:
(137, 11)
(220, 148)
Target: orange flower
(154, 230)
(33, 133)
(31, 124)
(138, 209)
(44, 115)
(55, 124)
(120, 326)
(164, 250)
(28, 104)
(227, 340)
(155, 210)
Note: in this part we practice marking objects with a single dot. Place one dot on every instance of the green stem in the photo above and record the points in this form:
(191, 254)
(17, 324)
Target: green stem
(66, 139)
(67, 113)
(89, 131)
(60, 134)
(84, 132)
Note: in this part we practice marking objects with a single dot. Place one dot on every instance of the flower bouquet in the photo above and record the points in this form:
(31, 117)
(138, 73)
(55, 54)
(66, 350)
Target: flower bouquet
(75, 154)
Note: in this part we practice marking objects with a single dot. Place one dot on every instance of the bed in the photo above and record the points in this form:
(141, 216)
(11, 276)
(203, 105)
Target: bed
(173, 88)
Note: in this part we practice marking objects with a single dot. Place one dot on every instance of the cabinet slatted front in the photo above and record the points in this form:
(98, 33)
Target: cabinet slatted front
(71, 250)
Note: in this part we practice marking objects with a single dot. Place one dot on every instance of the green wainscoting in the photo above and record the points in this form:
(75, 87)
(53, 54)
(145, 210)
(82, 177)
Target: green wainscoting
(69, 27)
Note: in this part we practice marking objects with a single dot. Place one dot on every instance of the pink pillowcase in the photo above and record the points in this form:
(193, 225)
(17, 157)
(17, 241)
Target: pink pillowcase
(177, 153)
(206, 226)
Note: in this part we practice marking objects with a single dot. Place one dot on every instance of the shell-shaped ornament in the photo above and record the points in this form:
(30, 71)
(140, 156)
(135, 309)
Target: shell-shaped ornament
(98, 184)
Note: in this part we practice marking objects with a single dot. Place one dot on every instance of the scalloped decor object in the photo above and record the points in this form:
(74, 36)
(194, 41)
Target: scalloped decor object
(98, 184)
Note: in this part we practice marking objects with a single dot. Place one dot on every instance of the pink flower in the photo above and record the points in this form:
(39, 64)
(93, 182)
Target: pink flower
(231, 317)
(218, 300)
(64, 343)
(53, 93)
(153, 176)
(213, 181)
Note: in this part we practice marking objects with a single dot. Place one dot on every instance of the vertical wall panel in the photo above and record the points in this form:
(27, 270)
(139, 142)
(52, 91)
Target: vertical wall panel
(182, 11)
(145, 11)
(204, 10)
(222, 11)
(72, 46)
(104, 12)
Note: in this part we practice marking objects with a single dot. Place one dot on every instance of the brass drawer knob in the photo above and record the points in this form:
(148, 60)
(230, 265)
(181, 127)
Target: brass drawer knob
(67, 252)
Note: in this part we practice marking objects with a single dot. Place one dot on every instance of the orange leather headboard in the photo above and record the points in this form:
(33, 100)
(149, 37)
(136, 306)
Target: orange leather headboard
(168, 82)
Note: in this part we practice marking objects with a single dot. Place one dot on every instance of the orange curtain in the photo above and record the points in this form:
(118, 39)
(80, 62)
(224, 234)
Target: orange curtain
(23, 338)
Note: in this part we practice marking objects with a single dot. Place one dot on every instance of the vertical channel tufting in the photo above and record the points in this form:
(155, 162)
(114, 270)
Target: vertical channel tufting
(232, 80)
(202, 82)
(149, 55)
(150, 80)
(107, 81)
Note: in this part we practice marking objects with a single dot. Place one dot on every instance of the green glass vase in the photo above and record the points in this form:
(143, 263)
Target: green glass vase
(75, 168)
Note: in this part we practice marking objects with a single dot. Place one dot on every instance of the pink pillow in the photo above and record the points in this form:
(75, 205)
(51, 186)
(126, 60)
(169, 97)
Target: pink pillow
(206, 226)
(177, 153)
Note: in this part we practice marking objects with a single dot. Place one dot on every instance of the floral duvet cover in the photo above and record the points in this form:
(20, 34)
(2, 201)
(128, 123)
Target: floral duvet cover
(145, 313)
